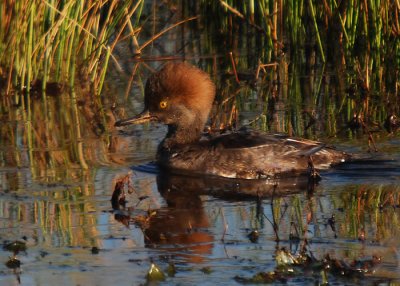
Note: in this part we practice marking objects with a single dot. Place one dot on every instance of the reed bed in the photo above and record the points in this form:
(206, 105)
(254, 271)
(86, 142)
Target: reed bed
(358, 40)
(56, 40)
(351, 25)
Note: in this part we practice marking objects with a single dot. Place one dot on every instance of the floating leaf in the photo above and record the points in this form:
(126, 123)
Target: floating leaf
(15, 246)
(324, 277)
(155, 274)
(95, 250)
(261, 278)
(285, 258)
(13, 263)
(253, 236)
(206, 270)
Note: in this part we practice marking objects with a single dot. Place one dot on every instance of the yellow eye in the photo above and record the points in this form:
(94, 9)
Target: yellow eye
(163, 104)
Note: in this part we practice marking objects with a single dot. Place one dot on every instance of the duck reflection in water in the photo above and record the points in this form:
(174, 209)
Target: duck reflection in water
(182, 226)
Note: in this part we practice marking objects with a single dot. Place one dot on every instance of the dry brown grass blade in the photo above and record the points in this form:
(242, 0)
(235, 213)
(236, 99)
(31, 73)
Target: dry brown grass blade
(231, 9)
(139, 51)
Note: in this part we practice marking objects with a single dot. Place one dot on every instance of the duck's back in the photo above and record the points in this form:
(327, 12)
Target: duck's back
(249, 154)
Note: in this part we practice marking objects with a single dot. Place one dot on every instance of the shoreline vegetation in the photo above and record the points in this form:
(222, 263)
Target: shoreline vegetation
(59, 40)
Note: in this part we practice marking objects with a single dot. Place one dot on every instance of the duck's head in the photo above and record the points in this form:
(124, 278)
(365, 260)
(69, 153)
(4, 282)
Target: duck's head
(180, 96)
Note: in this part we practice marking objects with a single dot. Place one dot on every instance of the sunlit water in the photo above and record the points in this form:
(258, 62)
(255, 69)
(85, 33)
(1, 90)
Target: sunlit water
(205, 236)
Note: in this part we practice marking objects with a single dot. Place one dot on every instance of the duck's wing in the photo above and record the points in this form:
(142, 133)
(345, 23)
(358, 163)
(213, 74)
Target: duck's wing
(252, 155)
(281, 147)
(280, 144)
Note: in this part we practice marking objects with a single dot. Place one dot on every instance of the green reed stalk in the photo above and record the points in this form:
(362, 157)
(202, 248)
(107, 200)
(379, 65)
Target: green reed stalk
(29, 60)
(104, 71)
(251, 10)
(354, 22)
(276, 210)
(93, 24)
(317, 91)
(94, 61)
(341, 23)
(321, 49)
(73, 43)
(70, 46)
(47, 23)
(266, 24)
(139, 13)
(296, 212)
(293, 10)
(63, 41)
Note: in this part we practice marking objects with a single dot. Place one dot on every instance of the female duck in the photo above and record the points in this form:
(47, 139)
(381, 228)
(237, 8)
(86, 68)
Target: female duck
(181, 96)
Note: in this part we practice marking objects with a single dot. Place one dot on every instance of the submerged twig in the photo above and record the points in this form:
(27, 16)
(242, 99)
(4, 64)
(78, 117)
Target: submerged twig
(241, 16)
(234, 67)
(225, 224)
(262, 67)
(370, 137)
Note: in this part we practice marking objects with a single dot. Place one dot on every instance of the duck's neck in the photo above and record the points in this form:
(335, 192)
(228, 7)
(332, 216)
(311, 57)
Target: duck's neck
(182, 135)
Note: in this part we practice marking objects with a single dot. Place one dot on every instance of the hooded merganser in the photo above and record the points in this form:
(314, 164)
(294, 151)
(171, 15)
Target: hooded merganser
(181, 96)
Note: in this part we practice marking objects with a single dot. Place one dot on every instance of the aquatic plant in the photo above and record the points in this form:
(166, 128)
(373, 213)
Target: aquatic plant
(55, 40)
(359, 40)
